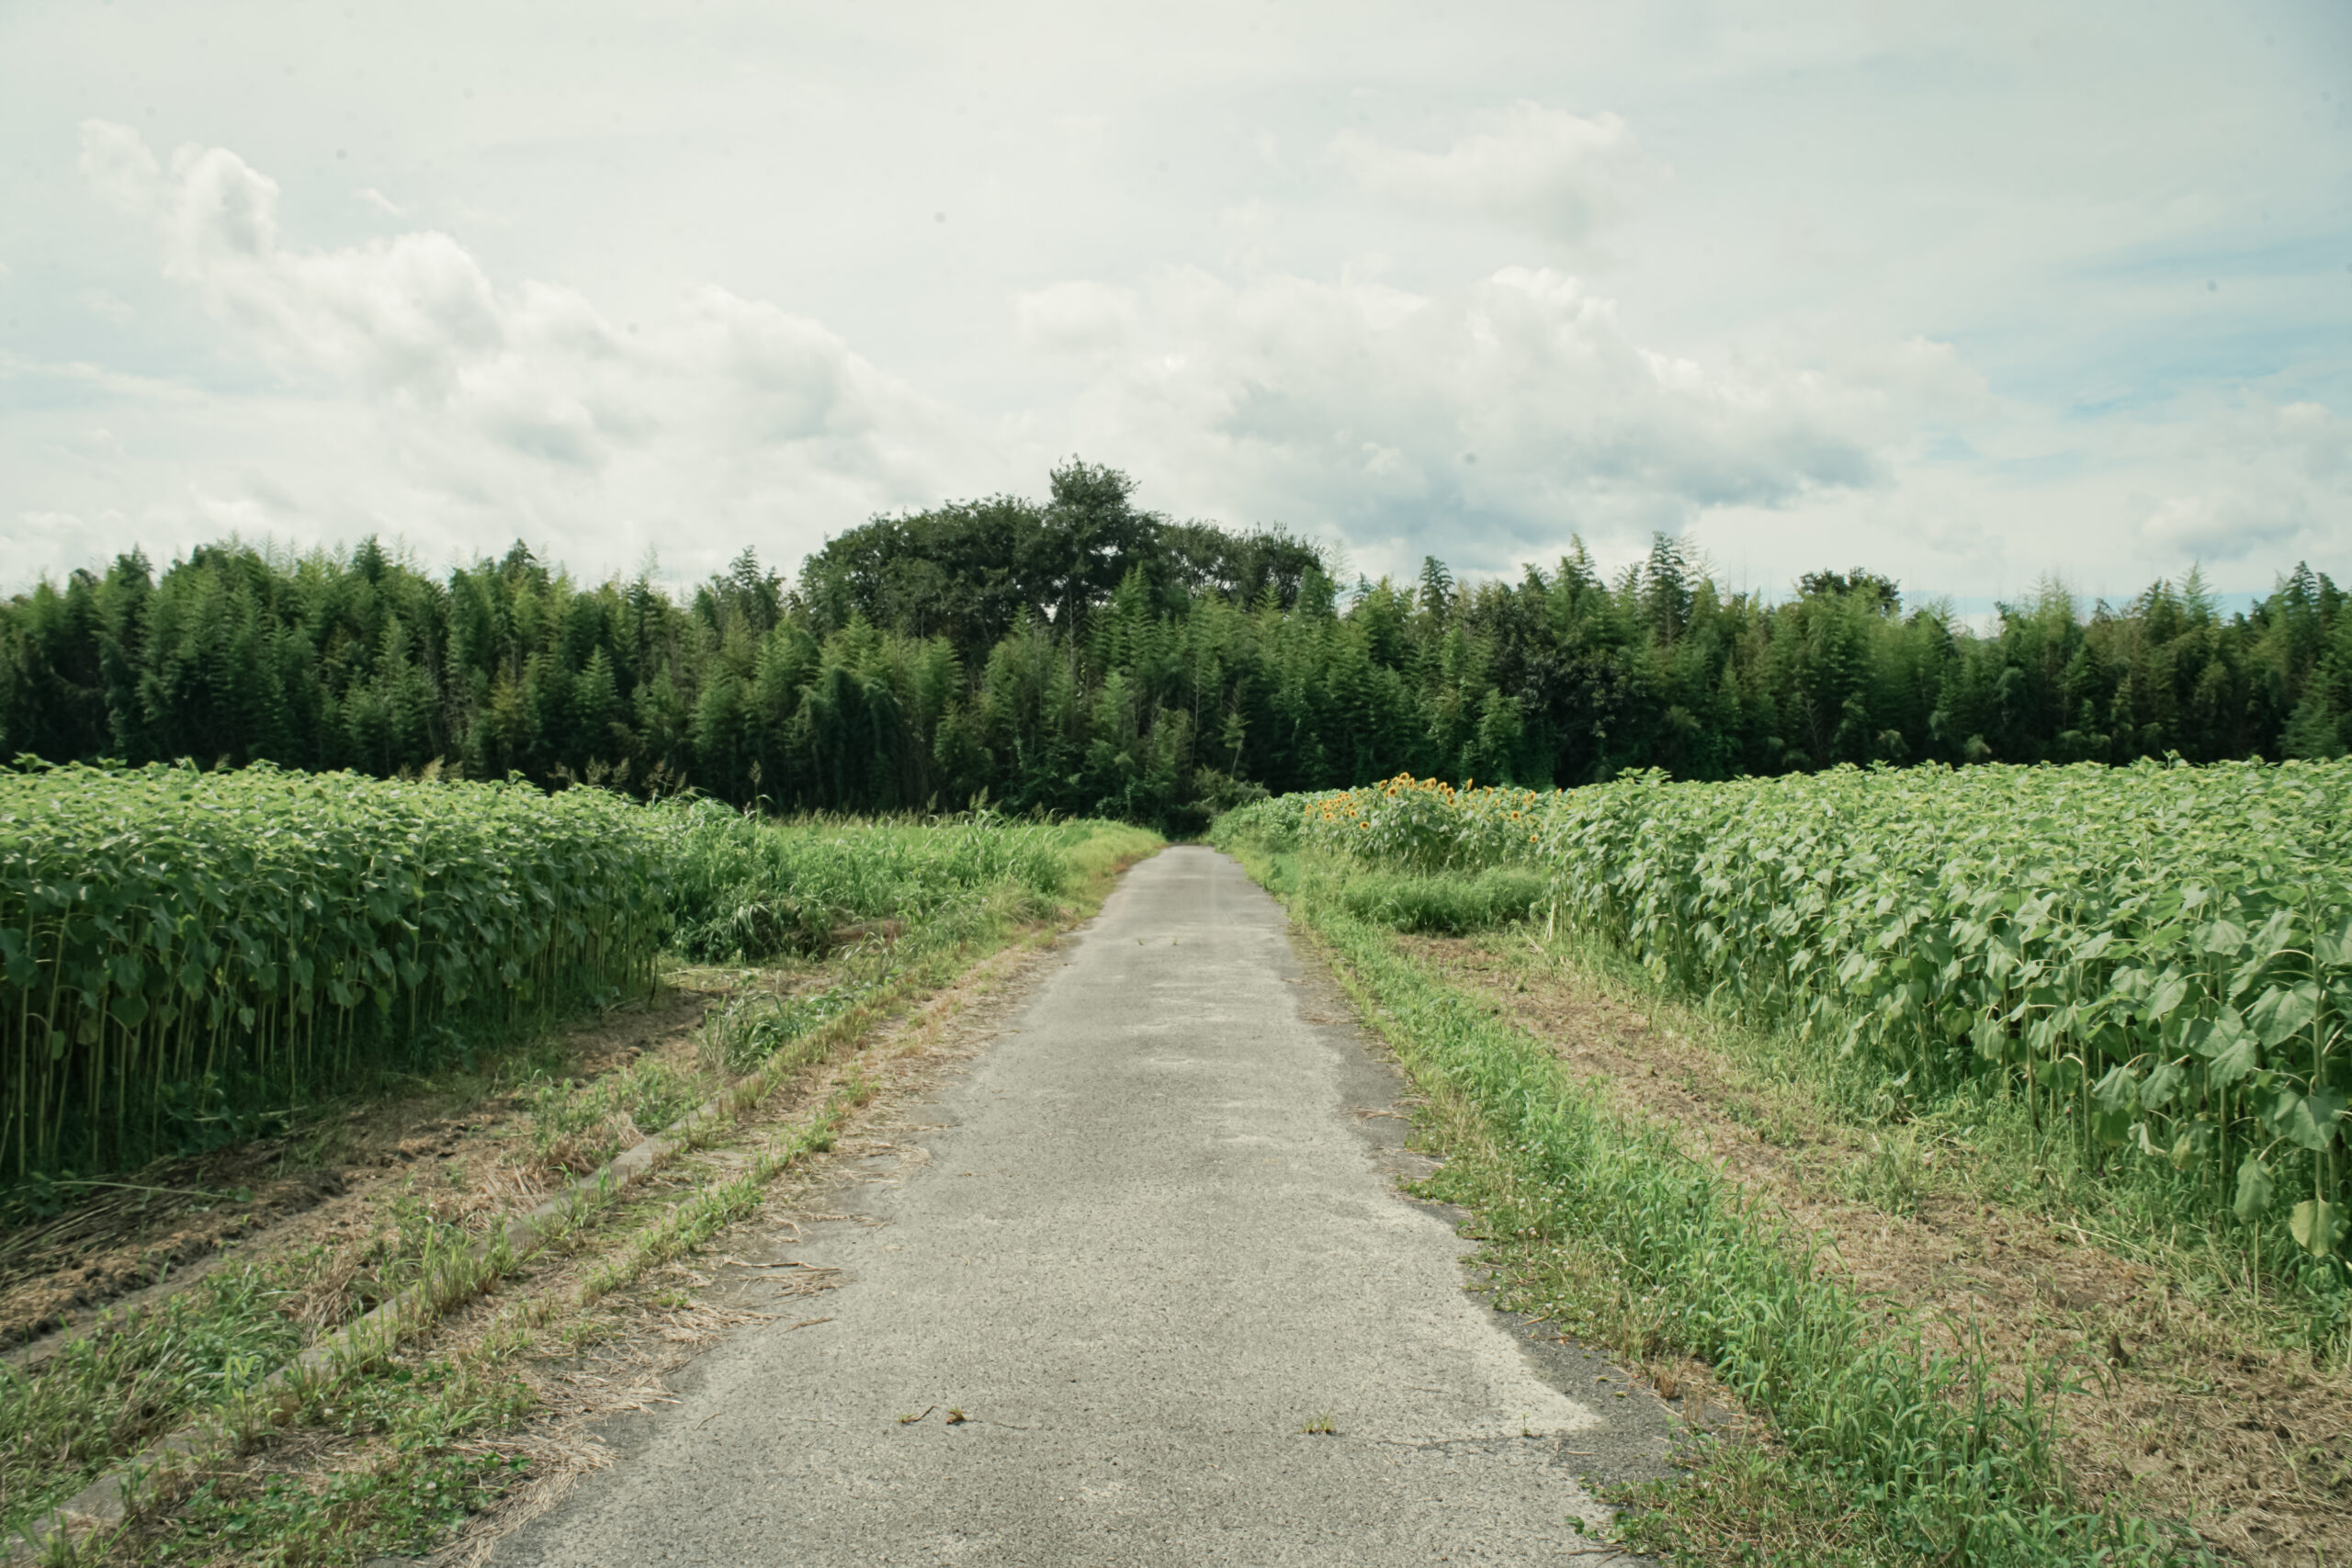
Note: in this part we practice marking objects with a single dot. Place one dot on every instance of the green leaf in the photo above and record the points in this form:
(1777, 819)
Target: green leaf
(2317, 1225)
(2234, 1061)
(2283, 1012)
(2222, 937)
(2117, 1092)
(2168, 994)
(2276, 933)
(21, 965)
(2254, 1188)
(2311, 1119)
(2211, 1036)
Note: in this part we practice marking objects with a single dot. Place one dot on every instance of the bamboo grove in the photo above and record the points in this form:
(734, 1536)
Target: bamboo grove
(1081, 655)
(2157, 959)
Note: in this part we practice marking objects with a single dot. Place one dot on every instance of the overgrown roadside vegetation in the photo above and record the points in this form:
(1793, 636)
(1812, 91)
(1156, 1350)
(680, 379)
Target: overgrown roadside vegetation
(809, 937)
(1961, 1356)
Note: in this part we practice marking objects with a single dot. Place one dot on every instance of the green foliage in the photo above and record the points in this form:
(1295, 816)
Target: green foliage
(1448, 905)
(745, 886)
(965, 884)
(114, 1391)
(184, 953)
(578, 1129)
(2157, 960)
(408, 1504)
(1085, 657)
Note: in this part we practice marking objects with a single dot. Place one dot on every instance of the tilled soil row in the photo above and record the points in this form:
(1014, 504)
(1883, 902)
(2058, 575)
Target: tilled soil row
(160, 1229)
(613, 1360)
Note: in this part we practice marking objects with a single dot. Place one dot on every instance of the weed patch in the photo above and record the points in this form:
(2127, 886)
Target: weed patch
(1447, 905)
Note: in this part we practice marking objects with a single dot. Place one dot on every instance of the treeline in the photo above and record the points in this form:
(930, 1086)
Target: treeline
(1079, 654)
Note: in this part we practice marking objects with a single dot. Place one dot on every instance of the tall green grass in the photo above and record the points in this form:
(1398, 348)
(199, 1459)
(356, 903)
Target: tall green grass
(1445, 906)
(739, 886)
(114, 1391)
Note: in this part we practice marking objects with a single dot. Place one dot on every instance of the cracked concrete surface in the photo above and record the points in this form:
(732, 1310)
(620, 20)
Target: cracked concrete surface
(1156, 1236)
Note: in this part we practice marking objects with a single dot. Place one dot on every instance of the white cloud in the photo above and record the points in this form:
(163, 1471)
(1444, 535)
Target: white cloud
(1479, 422)
(106, 305)
(2264, 477)
(121, 170)
(380, 202)
(526, 399)
(2224, 525)
(1844, 181)
(1547, 171)
(48, 521)
(48, 535)
(1093, 320)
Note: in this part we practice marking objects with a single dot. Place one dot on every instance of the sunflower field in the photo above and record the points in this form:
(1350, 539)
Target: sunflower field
(183, 954)
(2157, 958)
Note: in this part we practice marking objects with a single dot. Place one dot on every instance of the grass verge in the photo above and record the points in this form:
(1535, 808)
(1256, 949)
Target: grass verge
(1887, 1449)
(2192, 1395)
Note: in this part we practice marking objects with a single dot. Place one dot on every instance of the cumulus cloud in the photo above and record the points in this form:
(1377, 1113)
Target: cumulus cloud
(2224, 525)
(1092, 321)
(1518, 406)
(2259, 478)
(526, 397)
(42, 537)
(122, 170)
(106, 305)
(1554, 174)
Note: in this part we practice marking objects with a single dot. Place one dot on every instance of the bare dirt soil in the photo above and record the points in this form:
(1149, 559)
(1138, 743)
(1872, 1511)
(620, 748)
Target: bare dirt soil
(2176, 1413)
(326, 1185)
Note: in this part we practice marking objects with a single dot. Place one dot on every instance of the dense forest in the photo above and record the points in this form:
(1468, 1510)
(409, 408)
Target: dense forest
(1082, 654)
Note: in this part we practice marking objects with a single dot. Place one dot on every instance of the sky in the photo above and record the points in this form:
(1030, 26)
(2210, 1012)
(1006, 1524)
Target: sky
(1973, 295)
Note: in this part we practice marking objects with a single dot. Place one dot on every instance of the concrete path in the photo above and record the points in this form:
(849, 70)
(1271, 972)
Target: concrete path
(1158, 1235)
